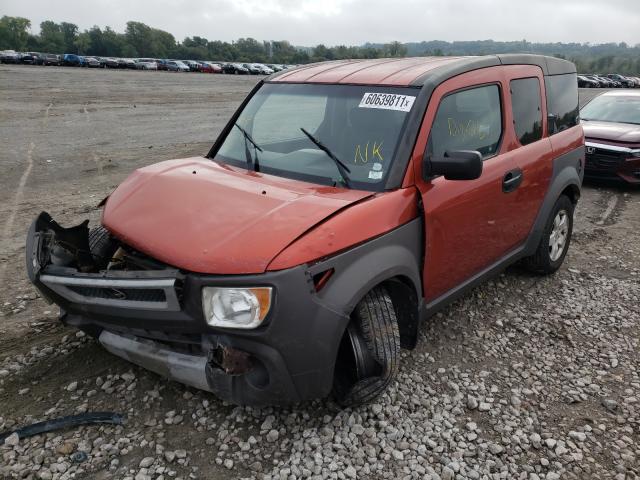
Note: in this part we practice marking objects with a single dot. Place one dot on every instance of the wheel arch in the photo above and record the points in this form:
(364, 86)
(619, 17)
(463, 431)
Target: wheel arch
(393, 260)
(566, 180)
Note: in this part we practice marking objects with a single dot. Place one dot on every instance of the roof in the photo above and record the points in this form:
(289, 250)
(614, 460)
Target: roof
(414, 71)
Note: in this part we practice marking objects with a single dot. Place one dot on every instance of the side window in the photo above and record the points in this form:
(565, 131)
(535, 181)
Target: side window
(562, 101)
(468, 120)
(281, 116)
(526, 105)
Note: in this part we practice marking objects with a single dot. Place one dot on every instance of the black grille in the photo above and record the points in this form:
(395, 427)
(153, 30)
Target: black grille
(603, 160)
(131, 294)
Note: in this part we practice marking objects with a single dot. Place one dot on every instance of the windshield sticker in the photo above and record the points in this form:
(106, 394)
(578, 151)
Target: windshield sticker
(377, 166)
(375, 175)
(368, 151)
(387, 101)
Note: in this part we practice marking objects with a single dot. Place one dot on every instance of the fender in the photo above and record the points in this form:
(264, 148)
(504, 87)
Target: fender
(568, 172)
(358, 270)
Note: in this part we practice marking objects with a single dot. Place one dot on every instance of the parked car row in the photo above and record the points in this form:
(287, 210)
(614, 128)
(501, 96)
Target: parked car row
(610, 80)
(171, 65)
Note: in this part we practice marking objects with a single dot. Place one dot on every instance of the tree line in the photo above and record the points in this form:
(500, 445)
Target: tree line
(141, 40)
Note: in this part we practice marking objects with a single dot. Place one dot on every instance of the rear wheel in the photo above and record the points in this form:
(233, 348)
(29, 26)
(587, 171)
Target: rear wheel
(555, 240)
(369, 351)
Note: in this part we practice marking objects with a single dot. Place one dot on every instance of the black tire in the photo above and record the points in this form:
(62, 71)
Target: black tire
(369, 352)
(541, 261)
(102, 246)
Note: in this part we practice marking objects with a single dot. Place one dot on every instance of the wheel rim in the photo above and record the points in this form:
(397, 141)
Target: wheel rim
(559, 235)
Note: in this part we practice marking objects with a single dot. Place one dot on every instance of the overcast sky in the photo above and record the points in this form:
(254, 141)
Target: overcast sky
(353, 22)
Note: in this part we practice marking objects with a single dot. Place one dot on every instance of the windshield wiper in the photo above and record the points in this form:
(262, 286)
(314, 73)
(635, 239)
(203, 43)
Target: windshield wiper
(342, 168)
(251, 161)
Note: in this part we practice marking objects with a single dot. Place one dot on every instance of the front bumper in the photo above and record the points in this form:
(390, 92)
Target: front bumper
(154, 319)
(611, 162)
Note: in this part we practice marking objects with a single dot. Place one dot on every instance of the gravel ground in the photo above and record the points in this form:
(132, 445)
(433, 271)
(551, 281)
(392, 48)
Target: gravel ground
(524, 378)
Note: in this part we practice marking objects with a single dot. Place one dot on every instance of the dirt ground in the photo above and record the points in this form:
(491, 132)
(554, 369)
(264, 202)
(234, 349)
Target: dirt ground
(69, 136)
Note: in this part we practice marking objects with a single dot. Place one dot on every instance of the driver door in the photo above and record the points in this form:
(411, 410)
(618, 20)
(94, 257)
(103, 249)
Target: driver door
(467, 222)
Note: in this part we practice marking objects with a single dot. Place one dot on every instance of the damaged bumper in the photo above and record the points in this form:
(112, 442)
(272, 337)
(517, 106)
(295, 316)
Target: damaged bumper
(154, 319)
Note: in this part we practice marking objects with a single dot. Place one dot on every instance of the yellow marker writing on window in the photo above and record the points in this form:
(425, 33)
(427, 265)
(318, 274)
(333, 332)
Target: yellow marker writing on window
(362, 152)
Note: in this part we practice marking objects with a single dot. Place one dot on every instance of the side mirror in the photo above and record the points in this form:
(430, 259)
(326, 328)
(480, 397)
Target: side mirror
(454, 165)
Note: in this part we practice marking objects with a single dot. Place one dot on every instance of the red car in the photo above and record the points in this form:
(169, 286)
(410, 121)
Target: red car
(210, 67)
(343, 203)
(611, 123)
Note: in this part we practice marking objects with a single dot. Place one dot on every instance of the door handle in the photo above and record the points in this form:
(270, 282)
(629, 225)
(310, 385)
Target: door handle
(512, 180)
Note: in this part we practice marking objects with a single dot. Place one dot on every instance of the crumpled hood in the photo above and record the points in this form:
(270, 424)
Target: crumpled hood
(206, 217)
(615, 132)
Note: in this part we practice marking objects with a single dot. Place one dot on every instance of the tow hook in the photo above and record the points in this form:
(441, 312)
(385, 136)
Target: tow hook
(232, 361)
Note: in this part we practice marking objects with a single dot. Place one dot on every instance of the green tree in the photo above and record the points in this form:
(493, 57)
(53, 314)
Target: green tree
(69, 34)
(139, 38)
(51, 37)
(395, 49)
(14, 32)
(250, 50)
(83, 43)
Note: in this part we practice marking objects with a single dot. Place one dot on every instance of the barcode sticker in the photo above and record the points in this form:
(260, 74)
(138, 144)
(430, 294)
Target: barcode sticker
(387, 101)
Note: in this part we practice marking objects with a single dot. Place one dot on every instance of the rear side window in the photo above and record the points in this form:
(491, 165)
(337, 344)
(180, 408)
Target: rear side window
(526, 105)
(562, 101)
(468, 120)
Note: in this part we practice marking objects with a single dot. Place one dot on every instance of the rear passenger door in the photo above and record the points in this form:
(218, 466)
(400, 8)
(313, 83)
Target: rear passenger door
(528, 145)
(469, 225)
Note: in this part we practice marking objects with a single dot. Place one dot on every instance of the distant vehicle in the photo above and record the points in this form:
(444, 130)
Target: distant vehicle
(146, 64)
(50, 59)
(604, 81)
(235, 68)
(102, 60)
(162, 64)
(623, 80)
(210, 67)
(264, 69)
(611, 124)
(92, 62)
(72, 60)
(29, 58)
(107, 62)
(192, 64)
(9, 56)
(584, 82)
(177, 66)
(599, 82)
(252, 68)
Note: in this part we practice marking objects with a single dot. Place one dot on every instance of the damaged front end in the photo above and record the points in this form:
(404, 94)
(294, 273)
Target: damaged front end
(93, 268)
(151, 314)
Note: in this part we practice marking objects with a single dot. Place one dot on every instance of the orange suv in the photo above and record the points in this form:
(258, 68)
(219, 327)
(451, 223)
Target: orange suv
(342, 204)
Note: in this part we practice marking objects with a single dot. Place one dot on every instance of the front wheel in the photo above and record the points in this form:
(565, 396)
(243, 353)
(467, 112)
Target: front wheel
(555, 240)
(369, 351)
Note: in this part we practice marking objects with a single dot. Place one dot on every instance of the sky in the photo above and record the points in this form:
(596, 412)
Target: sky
(353, 22)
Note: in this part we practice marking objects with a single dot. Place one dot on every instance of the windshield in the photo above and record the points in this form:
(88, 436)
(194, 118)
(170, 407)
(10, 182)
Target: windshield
(312, 132)
(619, 109)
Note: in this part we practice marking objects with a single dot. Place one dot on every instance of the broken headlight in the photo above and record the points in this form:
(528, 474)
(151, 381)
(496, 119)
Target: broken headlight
(235, 307)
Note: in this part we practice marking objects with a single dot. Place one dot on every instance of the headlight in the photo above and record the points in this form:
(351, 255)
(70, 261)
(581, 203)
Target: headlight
(235, 307)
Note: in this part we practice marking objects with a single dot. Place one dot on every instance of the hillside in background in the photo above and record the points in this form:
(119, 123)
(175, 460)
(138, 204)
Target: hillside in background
(140, 40)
